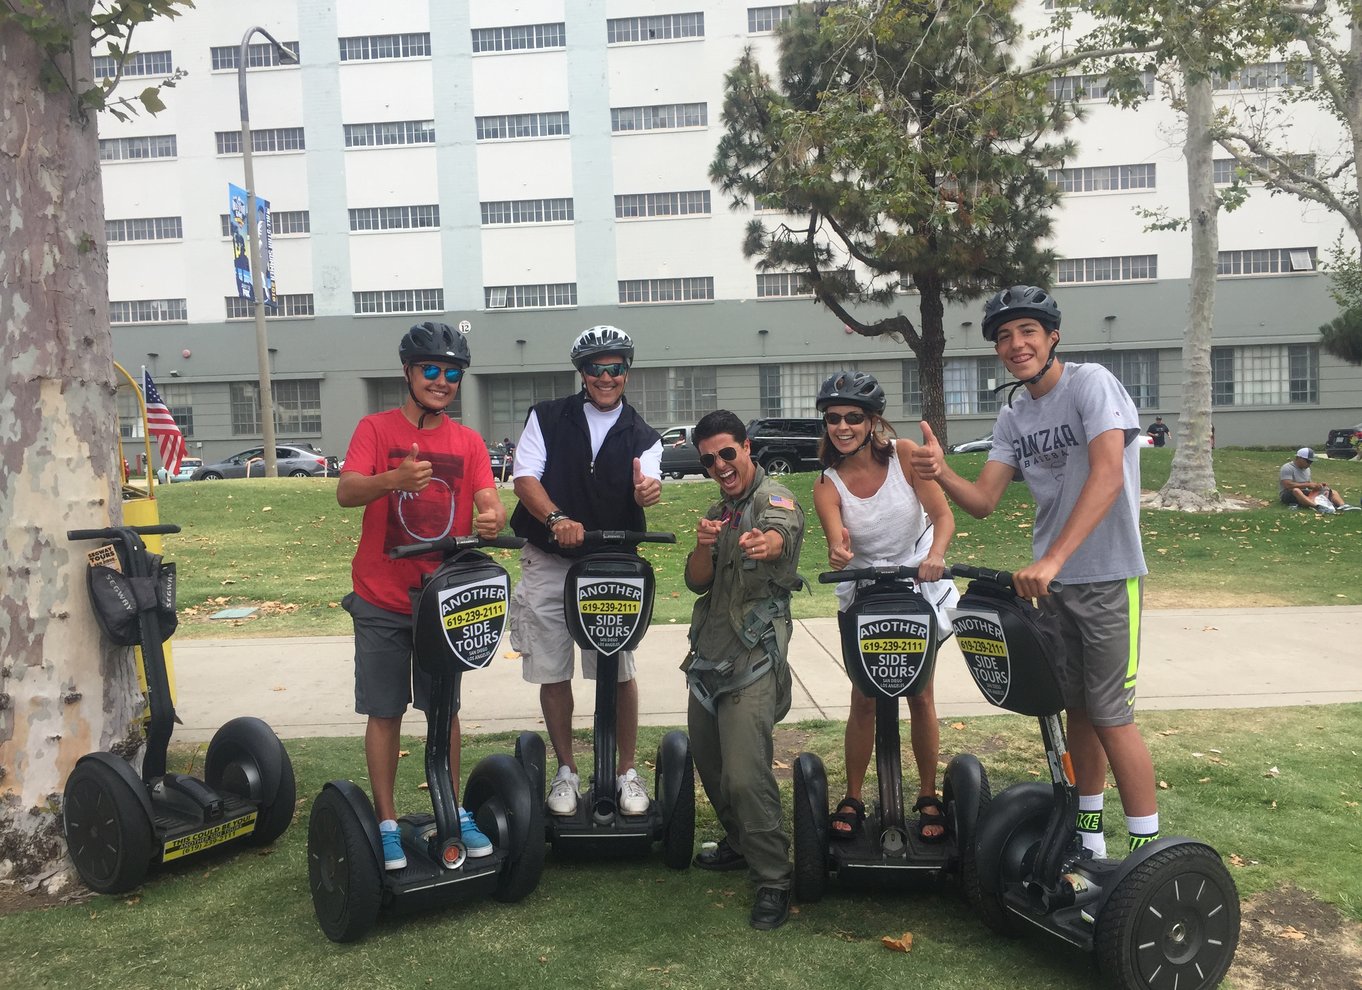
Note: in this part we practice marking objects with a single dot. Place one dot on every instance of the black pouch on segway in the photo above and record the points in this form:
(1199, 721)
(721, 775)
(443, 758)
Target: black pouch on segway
(889, 641)
(1011, 648)
(120, 600)
(459, 614)
(608, 600)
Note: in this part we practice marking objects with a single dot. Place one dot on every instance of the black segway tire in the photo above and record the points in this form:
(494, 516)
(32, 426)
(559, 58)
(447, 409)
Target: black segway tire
(1011, 826)
(966, 794)
(675, 796)
(530, 754)
(345, 879)
(107, 829)
(247, 759)
(1173, 920)
(810, 829)
(501, 799)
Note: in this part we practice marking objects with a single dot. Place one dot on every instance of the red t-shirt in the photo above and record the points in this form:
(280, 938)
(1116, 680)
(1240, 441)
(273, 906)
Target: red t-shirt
(459, 467)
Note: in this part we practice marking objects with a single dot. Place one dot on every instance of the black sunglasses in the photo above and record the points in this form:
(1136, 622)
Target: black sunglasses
(729, 454)
(615, 370)
(852, 418)
(430, 372)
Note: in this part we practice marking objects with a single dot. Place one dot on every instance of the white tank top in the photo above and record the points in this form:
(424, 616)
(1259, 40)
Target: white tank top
(891, 527)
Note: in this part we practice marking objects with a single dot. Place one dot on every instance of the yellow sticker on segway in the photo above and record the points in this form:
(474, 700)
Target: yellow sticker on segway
(216, 835)
(605, 607)
(479, 613)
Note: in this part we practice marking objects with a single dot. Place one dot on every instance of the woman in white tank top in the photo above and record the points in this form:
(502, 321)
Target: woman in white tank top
(876, 510)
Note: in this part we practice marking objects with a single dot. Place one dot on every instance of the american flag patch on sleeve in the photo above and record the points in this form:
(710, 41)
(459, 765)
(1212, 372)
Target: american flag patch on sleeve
(783, 502)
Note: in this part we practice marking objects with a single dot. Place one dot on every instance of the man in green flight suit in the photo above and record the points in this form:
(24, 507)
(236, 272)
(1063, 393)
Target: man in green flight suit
(743, 568)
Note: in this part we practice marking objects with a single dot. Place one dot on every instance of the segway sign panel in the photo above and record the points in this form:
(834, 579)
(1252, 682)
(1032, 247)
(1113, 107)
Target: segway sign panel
(892, 650)
(473, 617)
(979, 634)
(611, 609)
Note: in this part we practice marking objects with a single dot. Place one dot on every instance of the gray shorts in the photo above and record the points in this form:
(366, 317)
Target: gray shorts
(1101, 627)
(385, 677)
(538, 630)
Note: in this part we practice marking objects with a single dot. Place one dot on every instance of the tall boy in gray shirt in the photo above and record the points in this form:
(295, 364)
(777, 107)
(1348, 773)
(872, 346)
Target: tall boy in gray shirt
(1069, 432)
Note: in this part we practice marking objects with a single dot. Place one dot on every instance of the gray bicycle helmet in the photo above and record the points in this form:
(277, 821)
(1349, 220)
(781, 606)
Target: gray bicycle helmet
(1016, 302)
(851, 388)
(601, 340)
(434, 342)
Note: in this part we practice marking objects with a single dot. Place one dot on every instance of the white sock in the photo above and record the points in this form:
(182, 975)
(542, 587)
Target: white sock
(1143, 824)
(387, 825)
(1090, 823)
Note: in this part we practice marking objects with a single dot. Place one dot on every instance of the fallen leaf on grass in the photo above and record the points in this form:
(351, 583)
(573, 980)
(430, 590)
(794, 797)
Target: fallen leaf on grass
(1292, 933)
(1237, 860)
(901, 944)
(1163, 785)
(423, 786)
(780, 765)
(1170, 732)
(1203, 780)
(957, 726)
(403, 752)
(1272, 772)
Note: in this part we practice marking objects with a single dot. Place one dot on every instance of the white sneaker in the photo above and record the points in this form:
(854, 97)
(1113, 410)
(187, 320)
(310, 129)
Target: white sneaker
(633, 796)
(1350, 508)
(563, 792)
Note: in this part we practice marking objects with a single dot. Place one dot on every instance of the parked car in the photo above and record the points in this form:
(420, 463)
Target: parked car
(188, 465)
(1341, 442)
(503, 462)
(294, 461)
(679, 456)
(970, 446)
(783, 445)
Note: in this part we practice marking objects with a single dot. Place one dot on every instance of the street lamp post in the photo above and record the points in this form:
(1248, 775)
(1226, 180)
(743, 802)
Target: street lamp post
(262, 347)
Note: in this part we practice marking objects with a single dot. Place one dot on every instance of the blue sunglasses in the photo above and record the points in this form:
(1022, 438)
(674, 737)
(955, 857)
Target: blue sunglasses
(430, 372)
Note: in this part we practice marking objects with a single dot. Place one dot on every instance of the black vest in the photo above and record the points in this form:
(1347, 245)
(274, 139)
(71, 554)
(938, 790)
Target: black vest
(598, 494)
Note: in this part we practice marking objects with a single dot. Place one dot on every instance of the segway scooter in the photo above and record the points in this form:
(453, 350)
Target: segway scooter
(889, 644)
(608, 601)
(118, 825)
(1167, 915)
(457, 621)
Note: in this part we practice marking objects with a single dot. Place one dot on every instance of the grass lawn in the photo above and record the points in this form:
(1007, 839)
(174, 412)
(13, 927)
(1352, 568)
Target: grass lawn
(285, 546)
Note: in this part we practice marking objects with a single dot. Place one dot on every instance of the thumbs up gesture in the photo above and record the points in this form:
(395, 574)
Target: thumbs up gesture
(840, 554)
(412, 474)
(647, 491)
(927, 458)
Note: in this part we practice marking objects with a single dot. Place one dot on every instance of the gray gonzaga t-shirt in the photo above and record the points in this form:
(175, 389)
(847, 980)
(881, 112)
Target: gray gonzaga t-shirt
(1046, 439)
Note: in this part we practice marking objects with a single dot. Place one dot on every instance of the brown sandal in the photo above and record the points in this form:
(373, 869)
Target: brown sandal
(846, 821)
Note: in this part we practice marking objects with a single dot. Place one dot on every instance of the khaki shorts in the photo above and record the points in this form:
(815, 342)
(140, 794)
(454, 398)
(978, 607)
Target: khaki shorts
(538, 629)
(1101, 627)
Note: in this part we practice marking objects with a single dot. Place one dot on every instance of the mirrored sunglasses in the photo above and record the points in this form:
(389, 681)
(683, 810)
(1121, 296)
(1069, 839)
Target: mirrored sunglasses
(430, 372)
(615, 370)
(852, 418)
(729, 454)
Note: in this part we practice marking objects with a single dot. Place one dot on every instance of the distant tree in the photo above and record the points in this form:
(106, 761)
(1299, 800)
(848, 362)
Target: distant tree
(899, 148)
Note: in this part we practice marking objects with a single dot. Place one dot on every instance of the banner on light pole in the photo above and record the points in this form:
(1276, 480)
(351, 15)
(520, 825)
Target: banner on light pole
(241, 251)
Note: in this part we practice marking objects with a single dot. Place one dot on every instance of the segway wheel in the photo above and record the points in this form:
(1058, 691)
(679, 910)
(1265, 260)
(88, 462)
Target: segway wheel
(107, 829)
(500, 797)
(810, 829)
(1005, 834)
(676, 768)
(1172, 921)
(345, 878)
(966, 794)
(247, 759)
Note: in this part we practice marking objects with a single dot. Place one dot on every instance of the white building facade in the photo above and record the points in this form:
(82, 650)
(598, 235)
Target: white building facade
(536, 168)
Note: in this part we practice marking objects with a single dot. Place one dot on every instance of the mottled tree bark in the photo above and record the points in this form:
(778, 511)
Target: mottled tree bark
(63, 693)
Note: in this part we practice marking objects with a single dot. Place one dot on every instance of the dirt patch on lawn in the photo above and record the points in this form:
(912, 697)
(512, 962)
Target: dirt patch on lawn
(789, 743)
(1288, 940)
(14, 897)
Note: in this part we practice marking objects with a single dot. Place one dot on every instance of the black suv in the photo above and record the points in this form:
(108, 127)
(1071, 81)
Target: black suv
(785, 445)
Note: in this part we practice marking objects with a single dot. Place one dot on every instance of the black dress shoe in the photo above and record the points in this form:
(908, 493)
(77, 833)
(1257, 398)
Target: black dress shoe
(721, 858)
(771, 908)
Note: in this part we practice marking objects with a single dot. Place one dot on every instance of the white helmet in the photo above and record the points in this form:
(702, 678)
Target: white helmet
(601, 340)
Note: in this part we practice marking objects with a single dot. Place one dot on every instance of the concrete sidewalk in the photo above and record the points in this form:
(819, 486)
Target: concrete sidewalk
(1193, 658)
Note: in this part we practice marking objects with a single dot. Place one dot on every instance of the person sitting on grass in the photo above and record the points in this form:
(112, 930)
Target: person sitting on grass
(1298, 489)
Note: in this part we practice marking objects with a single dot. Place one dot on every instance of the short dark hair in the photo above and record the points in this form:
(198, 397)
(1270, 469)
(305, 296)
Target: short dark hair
(718, 422)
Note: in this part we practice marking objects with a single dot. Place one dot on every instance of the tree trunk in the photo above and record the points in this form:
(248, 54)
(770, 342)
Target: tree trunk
(1191, 480)
(930, 362)
(63, 693)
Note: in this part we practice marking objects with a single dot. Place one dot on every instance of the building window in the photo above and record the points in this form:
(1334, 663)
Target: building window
(520, 38)
(144, 229)
(400, 301)
(510, 397)
(1127, 268)
(281, 221)
(674, 395)
(665, 290)
(367, 48)
(149, 311)
(392, 132)
(664, 117)
(297, 407)
(769, 393)
(519, 126)
(179, 401)
(395, 217)
(1138, 371)
(667, 204)
(299, 304)
(1226, 169)
(662, 27)
(259, 56)
(1266, 375)
(390, 393)
(775, 285)
(763, 19)
(1089, 87)
(138, 148)
(1265, 261)
(1268, 75)
(797, 391)
(503, 211)
(912, 390)
(969, 382)
(541, 296)
(277, 139)
(136, 64)
(1104, 178)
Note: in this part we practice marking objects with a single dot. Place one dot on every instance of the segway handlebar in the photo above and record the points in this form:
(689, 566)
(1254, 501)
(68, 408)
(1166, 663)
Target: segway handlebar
(881, 572)
(116, 532)
(1003, 578)
(450, 544)
(626, 537)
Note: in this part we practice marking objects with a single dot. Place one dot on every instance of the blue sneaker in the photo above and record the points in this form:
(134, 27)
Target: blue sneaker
(393, 856)
(474, 842)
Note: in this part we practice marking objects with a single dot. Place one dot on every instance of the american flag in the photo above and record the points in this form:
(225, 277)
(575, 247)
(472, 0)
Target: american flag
(162, 426)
